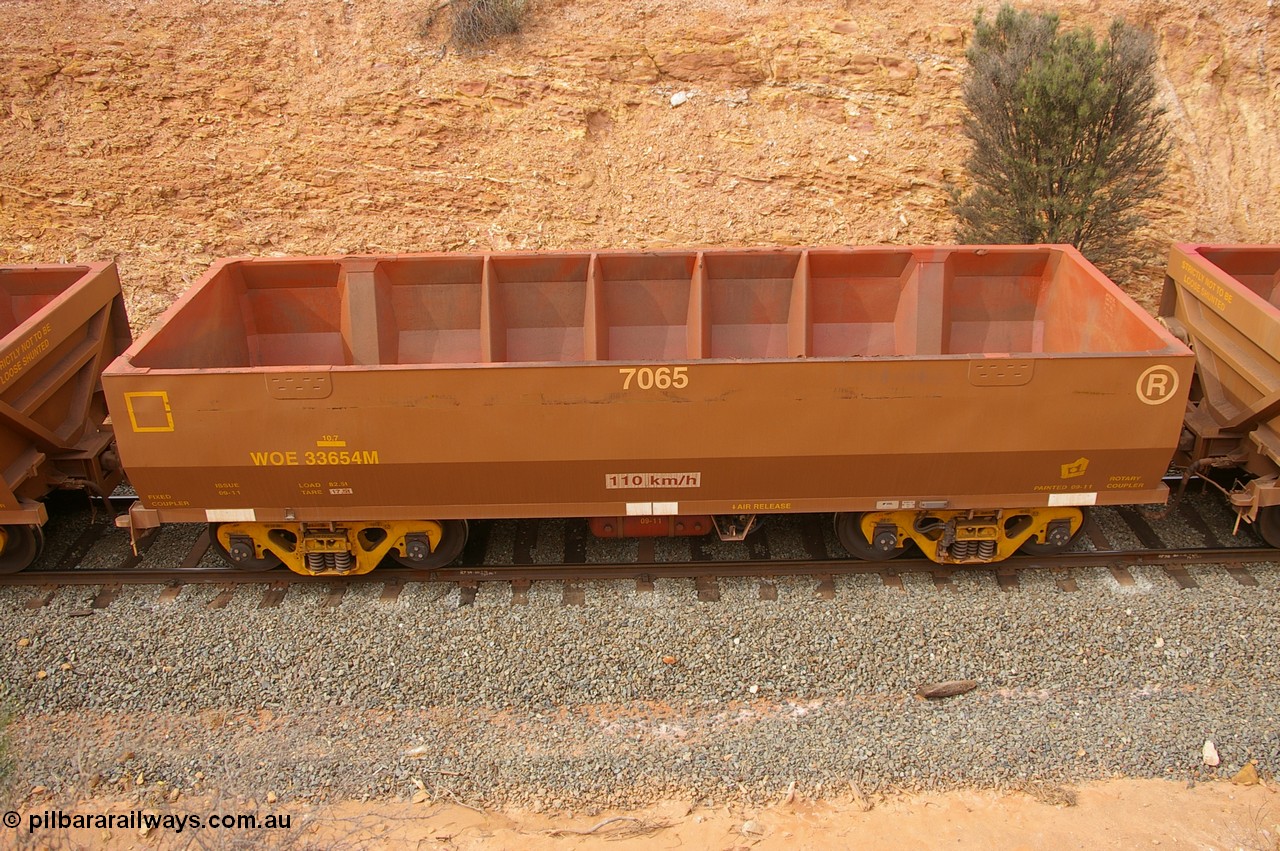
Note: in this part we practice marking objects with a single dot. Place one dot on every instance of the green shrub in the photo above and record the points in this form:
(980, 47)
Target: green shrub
(1068, 140)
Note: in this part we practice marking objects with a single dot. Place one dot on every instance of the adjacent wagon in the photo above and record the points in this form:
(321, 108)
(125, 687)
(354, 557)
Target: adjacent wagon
(331, 412)
(61, 325)
(1225, 301)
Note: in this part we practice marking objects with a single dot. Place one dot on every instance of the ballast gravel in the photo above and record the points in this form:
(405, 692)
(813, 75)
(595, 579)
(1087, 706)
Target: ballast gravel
(636, 696)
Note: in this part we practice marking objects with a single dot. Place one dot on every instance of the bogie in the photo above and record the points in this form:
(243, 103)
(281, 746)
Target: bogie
(959, 537)
(338, 549)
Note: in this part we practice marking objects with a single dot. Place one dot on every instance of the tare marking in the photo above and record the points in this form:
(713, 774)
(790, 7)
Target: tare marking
(615, 481)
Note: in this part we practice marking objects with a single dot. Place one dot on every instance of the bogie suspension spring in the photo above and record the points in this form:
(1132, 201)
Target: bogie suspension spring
(329, 561)
(973, 549)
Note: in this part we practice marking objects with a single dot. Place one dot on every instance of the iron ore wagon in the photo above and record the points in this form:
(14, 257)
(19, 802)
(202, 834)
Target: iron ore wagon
(60, 326)
(330, 412)
(1225, 301)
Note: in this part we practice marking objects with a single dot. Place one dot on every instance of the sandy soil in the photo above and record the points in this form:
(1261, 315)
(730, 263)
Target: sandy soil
(1121, 815)
(1117, 814)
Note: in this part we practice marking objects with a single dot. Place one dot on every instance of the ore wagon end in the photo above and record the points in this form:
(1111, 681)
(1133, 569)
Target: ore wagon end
(1225, 301)
(61, 325)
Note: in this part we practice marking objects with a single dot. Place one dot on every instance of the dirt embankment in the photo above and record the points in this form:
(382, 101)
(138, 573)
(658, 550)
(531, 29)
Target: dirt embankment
(166, 133)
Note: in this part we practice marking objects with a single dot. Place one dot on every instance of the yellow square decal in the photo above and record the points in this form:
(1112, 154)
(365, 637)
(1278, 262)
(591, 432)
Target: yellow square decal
(149, 411)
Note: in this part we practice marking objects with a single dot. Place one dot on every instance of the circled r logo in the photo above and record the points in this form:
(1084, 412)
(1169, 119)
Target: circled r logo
(1157, 385)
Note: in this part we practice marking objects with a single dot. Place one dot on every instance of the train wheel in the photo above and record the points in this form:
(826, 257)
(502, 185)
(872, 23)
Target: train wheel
(241, 557)
(1035, 548)
(849, 531)
(22, 544)
(1269, 525)
(453, 537)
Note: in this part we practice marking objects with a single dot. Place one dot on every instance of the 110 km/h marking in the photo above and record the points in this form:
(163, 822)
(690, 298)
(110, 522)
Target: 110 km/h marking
(614, 481)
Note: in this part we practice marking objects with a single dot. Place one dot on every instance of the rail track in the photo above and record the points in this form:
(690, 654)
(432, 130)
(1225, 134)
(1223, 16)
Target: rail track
(520, 560)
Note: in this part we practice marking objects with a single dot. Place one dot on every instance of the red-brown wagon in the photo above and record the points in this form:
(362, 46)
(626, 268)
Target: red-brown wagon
(329, 412)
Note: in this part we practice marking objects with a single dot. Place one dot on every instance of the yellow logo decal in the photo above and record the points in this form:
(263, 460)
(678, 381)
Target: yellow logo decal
(149, 411)
(1075, 469)
(1157, 384)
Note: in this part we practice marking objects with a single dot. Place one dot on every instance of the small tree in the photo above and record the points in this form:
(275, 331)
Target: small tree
(1067, 136)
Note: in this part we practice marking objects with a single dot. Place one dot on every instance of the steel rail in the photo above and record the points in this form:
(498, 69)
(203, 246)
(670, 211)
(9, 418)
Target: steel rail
(650, 570)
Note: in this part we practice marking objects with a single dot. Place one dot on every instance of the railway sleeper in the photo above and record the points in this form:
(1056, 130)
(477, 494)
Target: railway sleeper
(959, 536)
(338, 548)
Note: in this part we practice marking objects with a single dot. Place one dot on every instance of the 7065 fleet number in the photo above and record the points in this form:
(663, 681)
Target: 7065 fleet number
(654, 378)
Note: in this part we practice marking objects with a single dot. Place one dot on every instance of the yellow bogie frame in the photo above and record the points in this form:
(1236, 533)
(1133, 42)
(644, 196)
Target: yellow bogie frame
(324, 549)
(974, 536)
